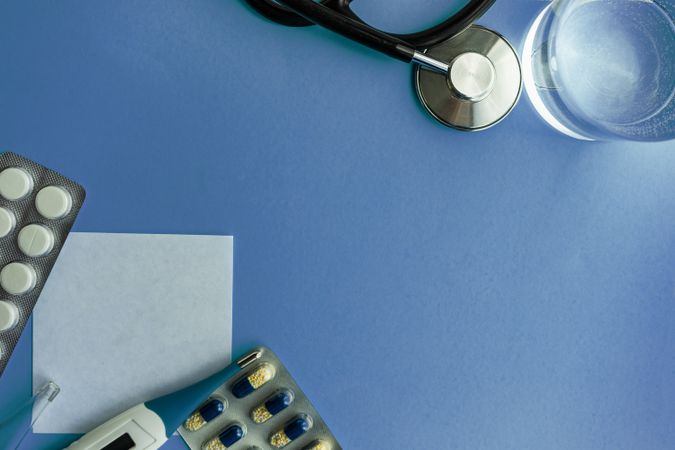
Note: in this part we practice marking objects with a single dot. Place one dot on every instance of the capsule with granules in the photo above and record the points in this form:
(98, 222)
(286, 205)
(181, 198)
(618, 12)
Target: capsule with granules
(293, 430)
(317, 445)
(230, 436)
(209, 411)
(272, 406)
(253, 381)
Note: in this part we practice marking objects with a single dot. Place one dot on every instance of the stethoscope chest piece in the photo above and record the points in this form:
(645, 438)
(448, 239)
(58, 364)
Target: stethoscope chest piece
(483, 83)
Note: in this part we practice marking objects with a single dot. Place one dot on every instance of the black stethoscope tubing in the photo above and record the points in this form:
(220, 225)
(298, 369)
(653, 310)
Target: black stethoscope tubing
(337, 16)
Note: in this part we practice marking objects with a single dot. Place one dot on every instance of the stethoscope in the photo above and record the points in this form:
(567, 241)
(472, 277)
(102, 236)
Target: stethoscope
(467, 76)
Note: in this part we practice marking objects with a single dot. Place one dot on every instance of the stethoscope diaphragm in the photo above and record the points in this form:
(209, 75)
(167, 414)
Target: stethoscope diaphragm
(482, 85)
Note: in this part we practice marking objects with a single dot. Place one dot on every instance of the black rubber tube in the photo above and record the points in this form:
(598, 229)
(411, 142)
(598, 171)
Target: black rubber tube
(353, 29)
(279, 13)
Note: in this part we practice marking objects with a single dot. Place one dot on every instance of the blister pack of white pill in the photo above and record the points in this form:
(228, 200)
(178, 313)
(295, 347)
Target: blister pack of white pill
(37, 209)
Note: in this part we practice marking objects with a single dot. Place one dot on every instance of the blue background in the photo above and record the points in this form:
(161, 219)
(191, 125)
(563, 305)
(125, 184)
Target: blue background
(508, 289)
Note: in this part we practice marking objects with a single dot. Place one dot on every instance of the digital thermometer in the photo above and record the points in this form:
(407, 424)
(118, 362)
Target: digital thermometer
(149, 425)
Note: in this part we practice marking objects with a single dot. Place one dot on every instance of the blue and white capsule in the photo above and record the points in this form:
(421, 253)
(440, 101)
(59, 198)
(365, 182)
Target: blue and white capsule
(293, 430)
(230, 436)
(209, 411)
(272, 406)
(253, 381)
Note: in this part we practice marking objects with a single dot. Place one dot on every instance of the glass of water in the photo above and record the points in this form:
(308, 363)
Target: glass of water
(604, 69)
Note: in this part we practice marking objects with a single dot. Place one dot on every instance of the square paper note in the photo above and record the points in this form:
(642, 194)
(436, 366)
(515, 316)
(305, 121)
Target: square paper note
(125, 318)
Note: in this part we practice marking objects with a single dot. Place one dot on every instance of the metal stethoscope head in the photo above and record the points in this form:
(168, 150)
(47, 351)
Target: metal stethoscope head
(467, 77)
(482, 84)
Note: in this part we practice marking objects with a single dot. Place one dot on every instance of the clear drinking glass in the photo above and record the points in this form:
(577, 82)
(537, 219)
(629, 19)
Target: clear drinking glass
(604, 69)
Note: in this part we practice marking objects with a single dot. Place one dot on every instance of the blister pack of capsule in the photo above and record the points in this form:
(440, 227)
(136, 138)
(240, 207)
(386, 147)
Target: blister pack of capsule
(261, 409)
(37, 209)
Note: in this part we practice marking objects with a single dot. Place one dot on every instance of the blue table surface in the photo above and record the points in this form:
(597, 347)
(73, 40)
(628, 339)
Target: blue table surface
(428, 288)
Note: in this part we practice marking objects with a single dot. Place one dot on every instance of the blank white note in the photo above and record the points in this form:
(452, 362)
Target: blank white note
(125, 318)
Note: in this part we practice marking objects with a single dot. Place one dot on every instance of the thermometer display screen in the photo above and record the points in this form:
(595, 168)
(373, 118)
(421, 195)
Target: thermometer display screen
(123, 442)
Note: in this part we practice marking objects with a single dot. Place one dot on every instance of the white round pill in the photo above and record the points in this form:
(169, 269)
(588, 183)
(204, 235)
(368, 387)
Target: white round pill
(17, 278)
(15, 183)
(7, 221)
(9, 315)
(35, 240)
(53, 202)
